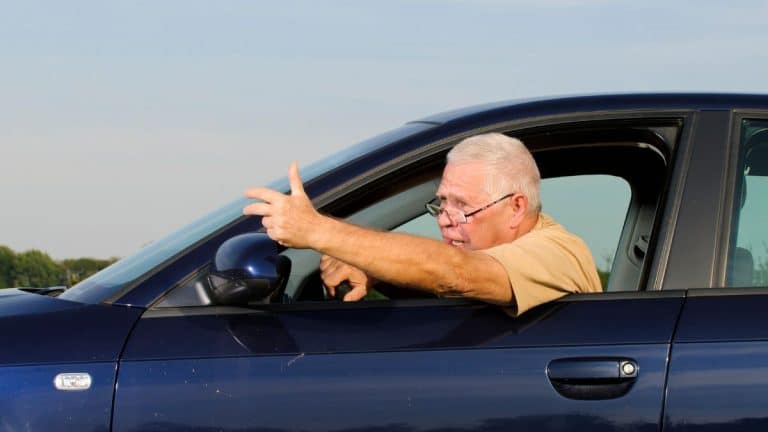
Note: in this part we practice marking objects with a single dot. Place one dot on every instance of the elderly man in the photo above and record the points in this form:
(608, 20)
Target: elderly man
(497, 246)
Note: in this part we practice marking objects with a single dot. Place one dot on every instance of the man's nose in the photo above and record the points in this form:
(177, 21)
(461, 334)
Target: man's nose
(443, 220)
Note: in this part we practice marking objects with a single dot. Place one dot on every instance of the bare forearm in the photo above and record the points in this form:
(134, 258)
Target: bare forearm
(412, 261)
(399, 259)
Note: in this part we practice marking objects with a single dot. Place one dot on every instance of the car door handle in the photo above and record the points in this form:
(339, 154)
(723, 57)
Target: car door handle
(592, 378)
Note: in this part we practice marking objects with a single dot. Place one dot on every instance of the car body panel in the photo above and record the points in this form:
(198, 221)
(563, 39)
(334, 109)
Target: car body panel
(60, 331)
(718, 377)
(371, 329)
(600, 102)
(31, 402)
(43, 337)
(489, 389)
(423, 367)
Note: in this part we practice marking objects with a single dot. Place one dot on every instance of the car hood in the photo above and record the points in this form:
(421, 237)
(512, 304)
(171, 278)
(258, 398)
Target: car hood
(39, 329)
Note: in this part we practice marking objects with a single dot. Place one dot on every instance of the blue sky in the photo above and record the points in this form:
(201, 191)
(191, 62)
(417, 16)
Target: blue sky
(124, 120)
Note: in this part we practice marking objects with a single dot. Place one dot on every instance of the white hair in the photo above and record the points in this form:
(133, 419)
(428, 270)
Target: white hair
(511, 167)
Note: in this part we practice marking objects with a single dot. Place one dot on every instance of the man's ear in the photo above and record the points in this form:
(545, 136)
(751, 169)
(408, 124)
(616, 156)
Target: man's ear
(519, 203)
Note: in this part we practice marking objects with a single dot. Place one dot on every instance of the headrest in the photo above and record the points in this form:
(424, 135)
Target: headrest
(756, 158)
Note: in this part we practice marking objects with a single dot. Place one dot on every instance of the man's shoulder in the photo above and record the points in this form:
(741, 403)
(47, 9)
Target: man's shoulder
(544, 221)
(546, 234)
(549, 226)
(548, 230)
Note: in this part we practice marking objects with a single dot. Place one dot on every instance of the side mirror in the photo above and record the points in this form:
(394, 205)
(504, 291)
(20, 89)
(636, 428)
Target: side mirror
(247, 268)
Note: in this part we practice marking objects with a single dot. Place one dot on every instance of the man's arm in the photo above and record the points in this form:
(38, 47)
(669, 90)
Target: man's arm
(395, 258)
(416, 262)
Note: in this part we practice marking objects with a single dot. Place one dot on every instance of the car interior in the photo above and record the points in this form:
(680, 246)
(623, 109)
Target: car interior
(396, 202)
(638, 153)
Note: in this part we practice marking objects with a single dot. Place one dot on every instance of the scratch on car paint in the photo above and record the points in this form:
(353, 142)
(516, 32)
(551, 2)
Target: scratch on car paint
(293, 360)
(229, 395)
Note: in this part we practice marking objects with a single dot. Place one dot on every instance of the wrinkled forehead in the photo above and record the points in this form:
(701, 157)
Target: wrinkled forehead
(463, 180)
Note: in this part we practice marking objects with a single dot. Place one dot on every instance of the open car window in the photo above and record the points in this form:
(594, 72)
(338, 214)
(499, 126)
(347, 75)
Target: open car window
(602, 183)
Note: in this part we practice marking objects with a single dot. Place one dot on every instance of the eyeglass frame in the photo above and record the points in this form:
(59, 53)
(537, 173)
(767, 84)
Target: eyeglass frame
(436, 210)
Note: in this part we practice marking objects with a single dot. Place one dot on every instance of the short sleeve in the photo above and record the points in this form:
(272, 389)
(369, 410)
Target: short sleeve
(545, 265)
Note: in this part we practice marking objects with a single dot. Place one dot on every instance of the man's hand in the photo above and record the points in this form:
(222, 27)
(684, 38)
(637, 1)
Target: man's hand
(291, 220)
(333, 272)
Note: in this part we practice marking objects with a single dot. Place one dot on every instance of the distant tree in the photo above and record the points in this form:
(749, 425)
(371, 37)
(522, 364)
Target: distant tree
(604, 277)
(760, 275)
(34, 268)
(605, 272)
(6, 265)
(81, 268)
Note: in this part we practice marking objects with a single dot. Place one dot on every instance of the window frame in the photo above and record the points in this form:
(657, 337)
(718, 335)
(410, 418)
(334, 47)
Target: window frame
(338, 201)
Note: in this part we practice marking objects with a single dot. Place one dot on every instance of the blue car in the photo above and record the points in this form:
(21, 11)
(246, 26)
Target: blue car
(217, 328)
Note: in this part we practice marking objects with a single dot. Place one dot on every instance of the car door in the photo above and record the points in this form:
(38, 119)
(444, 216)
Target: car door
(585, 362)
(717, 378)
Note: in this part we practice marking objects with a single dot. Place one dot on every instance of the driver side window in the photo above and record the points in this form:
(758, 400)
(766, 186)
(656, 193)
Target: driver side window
(604, 190)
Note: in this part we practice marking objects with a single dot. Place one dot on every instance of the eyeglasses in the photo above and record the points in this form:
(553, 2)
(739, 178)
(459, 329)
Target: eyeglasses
(457, 216)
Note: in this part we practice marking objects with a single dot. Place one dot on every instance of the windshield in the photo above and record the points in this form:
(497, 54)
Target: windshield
(128, 269)
(112, 279)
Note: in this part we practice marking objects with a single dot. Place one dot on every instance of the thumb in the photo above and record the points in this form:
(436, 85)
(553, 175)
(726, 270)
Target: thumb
(297, 187)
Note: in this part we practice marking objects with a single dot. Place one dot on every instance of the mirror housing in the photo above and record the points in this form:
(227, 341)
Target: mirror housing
(247, 268)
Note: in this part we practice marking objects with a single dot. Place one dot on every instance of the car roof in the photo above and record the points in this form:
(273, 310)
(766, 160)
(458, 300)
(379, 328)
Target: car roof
(603, 102)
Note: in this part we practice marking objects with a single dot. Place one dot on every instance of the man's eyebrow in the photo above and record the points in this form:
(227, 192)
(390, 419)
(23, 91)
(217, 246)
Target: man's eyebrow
(452, 199)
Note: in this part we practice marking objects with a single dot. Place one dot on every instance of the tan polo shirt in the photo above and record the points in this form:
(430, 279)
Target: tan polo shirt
(545, 264)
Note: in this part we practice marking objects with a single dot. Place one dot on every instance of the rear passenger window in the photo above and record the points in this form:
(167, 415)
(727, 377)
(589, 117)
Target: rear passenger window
(748, 258)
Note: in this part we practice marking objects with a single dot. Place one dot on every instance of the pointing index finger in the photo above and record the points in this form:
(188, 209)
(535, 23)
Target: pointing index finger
(264, 194)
